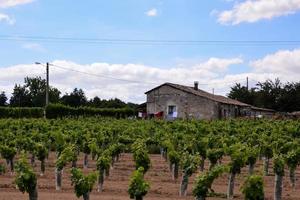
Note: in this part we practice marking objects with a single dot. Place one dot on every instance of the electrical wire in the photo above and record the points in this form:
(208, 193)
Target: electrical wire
(102, 75)
(110, 41)
(135, 81)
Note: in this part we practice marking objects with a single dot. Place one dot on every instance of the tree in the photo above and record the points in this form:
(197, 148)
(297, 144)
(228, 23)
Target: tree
(3, 99)
(20, 97)
(241, 93)
(37, 91)
(26, 179)
(33, 93)
(95, 102)
(75, 99)
(83, 185)
(138, 187)
(268, 94)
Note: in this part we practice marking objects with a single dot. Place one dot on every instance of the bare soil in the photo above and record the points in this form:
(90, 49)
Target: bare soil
(115, 186)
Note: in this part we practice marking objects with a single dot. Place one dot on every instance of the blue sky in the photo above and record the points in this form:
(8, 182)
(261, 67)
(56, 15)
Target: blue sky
(149, 20)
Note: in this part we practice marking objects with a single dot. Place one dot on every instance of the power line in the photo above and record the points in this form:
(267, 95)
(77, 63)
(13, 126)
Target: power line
(102, 75)
(134, 81)
(113, 41)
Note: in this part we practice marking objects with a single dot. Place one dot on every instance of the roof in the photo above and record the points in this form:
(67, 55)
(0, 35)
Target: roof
(296, 113)
(202, 93)
(262, 109)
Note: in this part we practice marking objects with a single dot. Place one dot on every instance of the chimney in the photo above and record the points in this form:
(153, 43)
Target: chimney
(196, 84)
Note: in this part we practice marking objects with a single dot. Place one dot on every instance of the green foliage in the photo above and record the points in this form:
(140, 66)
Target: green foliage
(214, 155)
(190, 163)
(82, 184)
(59, 111)
(203, 182)
(253, 188)
(3, 99)
(174, 156)
(140, 155)
(41, 151)
(103, 162)
(238, 155)
(67, 155)
(269, 94)
(252, 154)
(138, 187)
(292, 158)
(8, 152)
(21, 112)
(25, 177)
(32, 93)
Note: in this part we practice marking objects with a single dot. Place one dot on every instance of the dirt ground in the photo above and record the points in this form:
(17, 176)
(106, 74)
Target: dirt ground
(115, 186)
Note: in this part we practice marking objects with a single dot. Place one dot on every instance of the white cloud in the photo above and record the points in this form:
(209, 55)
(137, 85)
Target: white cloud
(284, 62)
(7, 19)
(212, 73)
(254, 10)
(148, 76)
(152, 12)
(13, 3)
(219, 64)
(34, 47)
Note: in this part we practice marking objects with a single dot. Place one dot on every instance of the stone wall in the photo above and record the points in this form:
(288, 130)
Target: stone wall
(188, 105)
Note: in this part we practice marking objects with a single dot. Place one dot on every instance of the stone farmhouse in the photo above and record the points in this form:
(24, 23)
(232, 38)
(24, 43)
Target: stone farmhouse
(171, 101)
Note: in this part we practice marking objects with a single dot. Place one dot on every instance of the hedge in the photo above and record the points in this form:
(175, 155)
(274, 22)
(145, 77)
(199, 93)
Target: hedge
(61, 111)
(21, 112)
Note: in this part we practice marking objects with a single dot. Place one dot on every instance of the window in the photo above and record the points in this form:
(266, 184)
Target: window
(172, 111)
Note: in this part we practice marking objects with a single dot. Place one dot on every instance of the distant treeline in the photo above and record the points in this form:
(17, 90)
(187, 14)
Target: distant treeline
(32, 94)
(269, 94)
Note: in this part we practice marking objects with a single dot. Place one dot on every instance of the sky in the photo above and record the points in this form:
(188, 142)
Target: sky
(123, 48)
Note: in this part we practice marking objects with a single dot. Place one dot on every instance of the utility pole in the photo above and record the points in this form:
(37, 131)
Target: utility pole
(213, 90)
(247, 83)
(47, 84)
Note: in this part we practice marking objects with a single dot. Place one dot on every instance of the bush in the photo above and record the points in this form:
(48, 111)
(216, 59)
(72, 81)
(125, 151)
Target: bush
(54, 111)
(21, 112)
(59, 111)
(253, 188)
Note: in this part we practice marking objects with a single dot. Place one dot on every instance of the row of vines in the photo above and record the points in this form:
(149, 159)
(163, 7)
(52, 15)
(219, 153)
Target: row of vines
(185, 146)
